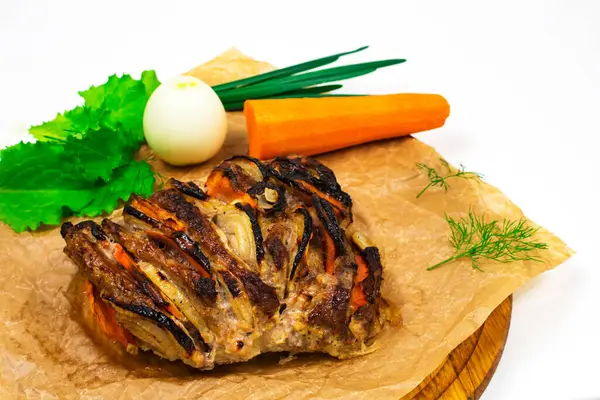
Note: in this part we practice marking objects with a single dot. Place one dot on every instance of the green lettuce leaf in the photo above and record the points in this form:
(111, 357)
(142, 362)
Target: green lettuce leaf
(97, 154)
(136, 177)
(83, 162)
(57, 196)
(119, 103)
(85, 159)
(29, 208)
(86, 176)
(79, 119)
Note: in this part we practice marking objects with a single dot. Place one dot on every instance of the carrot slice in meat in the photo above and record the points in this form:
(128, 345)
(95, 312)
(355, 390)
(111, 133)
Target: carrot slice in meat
(307, 126)
(175, 311)
(105, 316)
(363, 270)
(220, 187)
(312, 189)
(357, 297)
(123, 258)
(157, 213)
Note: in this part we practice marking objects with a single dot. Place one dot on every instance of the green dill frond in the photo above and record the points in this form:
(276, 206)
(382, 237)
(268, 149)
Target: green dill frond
(472, 237)
(438, 180)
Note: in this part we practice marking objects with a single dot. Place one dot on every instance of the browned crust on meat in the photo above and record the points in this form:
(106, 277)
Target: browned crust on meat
(276, 248)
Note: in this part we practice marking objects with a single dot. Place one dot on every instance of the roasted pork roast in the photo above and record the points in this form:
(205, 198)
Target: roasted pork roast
(263, 258)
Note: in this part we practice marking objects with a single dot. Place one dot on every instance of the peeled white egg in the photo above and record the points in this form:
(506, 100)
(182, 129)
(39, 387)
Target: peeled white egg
(184, 121)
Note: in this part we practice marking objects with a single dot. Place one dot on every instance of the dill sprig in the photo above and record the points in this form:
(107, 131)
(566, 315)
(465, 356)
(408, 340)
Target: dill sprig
(474, 238)
(437, 180)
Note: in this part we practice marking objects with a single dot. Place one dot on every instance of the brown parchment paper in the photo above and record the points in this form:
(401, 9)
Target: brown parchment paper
(50, 350)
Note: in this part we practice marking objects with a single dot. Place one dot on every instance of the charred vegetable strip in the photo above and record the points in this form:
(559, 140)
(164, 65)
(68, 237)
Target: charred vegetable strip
(311, 189)
(134, 212)
(372, 283)
(306, 235)
(258, 239)
(261, 167)
(192, 249)
(184, 340)
(189, 188)
(311, 178)
(328, 219)
(232, 283)
(358, 297)
(155, 212)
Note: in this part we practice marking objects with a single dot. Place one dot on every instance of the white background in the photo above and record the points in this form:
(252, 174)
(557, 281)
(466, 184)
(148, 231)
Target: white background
(522, 77)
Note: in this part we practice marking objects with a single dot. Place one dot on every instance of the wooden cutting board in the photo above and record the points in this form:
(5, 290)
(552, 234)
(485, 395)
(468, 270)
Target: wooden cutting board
(466, 372)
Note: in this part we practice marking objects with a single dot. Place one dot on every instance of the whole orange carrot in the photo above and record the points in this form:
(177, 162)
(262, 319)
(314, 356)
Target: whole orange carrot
(308, 126)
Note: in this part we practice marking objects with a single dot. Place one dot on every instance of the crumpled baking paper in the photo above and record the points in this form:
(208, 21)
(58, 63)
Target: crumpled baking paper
(50, 349)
